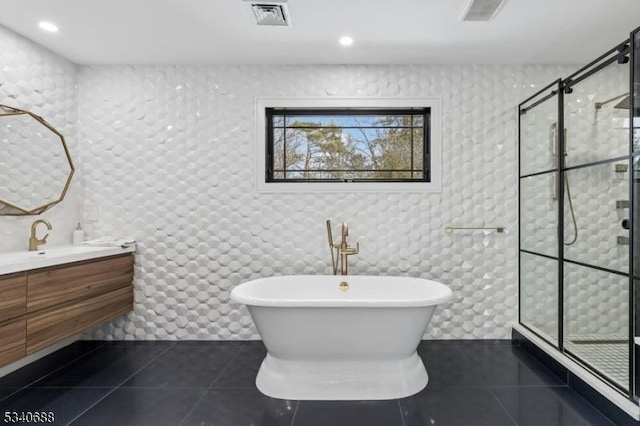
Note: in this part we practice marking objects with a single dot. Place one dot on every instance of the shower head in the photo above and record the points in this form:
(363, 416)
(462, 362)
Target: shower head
(624, 103)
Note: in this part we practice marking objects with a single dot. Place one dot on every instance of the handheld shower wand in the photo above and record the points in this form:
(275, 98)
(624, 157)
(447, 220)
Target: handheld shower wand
(334, 262)
(554, 153)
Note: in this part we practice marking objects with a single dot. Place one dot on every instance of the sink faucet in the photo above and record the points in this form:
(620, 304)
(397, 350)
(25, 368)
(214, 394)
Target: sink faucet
(342, 250)
(34, 241)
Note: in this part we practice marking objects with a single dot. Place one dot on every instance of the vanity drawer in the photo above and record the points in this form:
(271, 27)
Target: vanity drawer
(13, 296)
(57, 285)
(12, 341)
(50, 326)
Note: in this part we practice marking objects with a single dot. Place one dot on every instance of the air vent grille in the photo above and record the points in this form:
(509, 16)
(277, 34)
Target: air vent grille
(269, 14)
(482, 10)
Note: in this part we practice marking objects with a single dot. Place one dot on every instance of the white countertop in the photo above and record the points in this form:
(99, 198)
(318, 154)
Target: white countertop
(18, 261)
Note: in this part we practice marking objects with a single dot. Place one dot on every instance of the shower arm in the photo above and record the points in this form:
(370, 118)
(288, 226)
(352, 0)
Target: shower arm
(603, 103)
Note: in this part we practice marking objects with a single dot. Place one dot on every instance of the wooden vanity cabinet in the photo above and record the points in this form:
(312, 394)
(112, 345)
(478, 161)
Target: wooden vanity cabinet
(43, 306)
(50, 326)
(13, 306)
(56, 285)
(13, 339)
(13, 296)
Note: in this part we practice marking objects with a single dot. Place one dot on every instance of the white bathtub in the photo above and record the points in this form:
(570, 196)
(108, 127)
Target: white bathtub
(324, 343)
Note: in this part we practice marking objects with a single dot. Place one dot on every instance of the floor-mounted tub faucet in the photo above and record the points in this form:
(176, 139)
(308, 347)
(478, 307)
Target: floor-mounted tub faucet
(342, 250)
(33, 240)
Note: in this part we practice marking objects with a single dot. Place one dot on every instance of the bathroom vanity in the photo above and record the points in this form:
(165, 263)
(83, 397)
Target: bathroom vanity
(48, 296)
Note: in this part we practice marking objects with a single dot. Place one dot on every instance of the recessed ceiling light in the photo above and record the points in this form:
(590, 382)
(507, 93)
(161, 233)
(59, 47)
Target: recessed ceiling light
(48, 26)
(346, 41)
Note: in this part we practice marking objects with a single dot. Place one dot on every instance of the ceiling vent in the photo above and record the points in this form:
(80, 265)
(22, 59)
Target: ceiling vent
(482, 10)
(271, 14)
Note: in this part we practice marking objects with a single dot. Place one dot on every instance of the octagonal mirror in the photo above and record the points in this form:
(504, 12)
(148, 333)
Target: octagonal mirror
(35, 165)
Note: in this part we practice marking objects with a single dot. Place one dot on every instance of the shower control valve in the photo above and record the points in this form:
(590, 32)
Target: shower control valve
(625, 224)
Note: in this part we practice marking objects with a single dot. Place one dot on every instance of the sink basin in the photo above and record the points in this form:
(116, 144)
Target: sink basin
(18, 261)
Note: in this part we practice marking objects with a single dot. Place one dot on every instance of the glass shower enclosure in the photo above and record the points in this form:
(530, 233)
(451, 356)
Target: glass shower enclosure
(579, 186)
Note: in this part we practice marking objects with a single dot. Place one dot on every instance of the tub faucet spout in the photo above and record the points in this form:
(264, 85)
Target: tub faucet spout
(342, 250)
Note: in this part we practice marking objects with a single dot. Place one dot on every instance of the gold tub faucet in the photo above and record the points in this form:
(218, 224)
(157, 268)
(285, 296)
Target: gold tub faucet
(34, 241)
(342, 250)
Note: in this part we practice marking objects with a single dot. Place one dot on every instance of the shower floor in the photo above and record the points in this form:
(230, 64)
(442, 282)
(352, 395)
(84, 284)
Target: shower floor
(607, 354)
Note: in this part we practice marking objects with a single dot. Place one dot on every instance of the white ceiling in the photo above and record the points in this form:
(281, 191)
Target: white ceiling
(385, 32)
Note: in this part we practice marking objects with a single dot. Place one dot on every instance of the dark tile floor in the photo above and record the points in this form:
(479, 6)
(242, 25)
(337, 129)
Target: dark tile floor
(212, 383)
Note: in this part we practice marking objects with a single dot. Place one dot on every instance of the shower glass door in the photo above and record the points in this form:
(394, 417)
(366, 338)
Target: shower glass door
(538, 185)
(596, 208)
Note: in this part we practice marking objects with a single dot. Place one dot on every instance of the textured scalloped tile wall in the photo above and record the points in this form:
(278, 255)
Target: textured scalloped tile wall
(169, 157)
(38, 80)
(166, 154)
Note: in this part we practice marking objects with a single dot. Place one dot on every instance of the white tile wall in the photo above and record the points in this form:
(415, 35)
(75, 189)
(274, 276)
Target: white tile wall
(36, 79)
(166, 154)
(168, 157)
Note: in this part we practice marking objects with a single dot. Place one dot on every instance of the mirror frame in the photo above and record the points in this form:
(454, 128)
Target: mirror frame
(11, 209)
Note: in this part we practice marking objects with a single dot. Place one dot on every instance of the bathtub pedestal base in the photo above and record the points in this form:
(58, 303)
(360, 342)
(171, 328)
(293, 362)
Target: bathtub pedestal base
(340, 379)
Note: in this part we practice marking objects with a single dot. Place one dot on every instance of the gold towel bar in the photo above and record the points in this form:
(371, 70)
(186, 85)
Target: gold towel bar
(498, 229)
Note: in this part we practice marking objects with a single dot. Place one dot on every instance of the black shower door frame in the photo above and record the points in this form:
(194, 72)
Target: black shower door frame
(559, 88)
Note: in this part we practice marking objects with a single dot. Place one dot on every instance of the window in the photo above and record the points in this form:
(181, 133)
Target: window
(348, 145)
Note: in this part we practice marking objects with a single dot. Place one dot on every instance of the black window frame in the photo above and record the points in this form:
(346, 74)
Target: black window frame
(425, 112)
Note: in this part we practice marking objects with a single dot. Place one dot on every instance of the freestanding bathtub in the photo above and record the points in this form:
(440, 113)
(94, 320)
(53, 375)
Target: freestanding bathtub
(341, 337)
